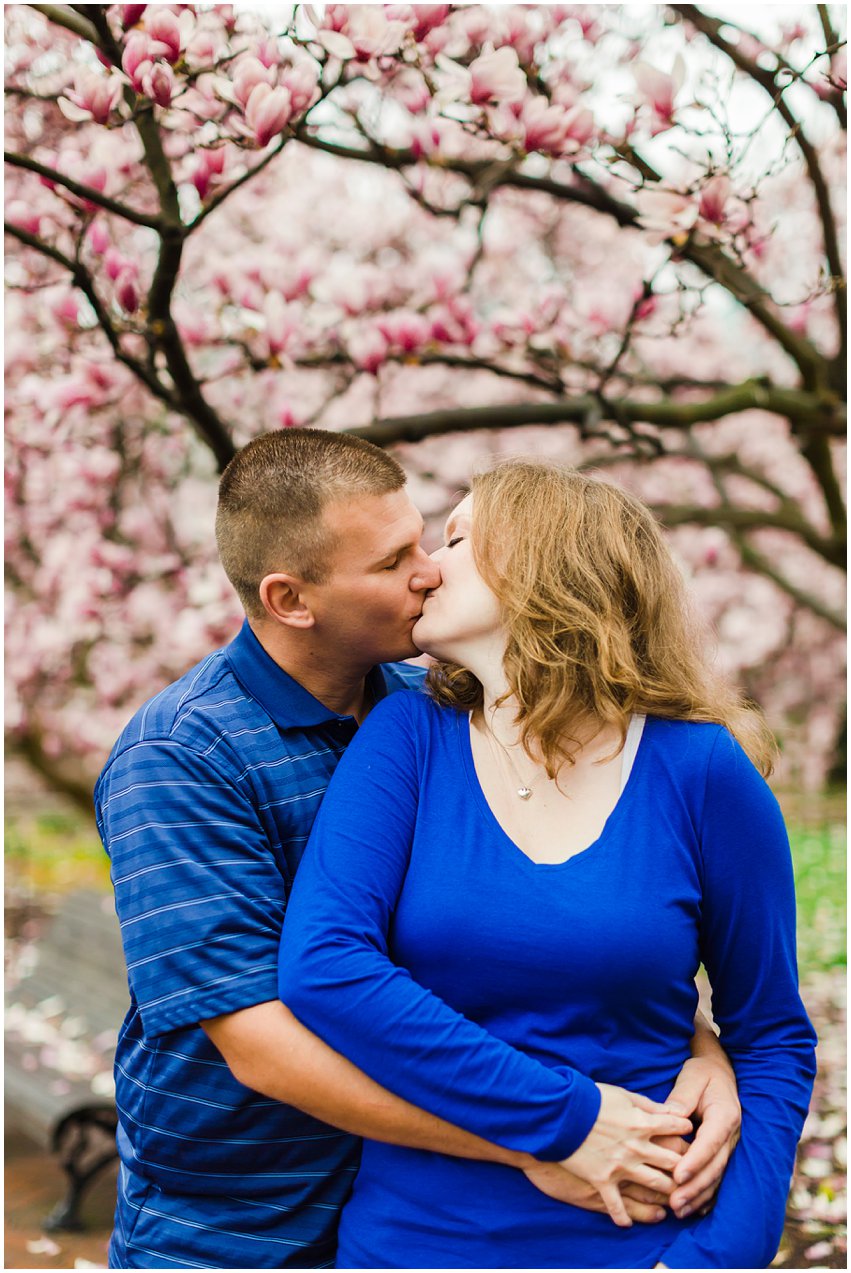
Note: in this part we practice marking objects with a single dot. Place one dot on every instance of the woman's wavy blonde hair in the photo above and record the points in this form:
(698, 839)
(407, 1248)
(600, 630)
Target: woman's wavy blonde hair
(597, 621)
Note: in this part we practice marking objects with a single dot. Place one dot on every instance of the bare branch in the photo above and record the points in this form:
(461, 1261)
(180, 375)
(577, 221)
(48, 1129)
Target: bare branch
(63, 15)
(818, 455)
(82, 279)
(227, 191)
(762, 565)
(186, 396)
(807, 410)
(766, 79)
(708, 258)
(81, 191)
(735, 517)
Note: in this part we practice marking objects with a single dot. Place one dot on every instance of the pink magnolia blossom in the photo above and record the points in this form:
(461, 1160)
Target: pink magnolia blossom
(368, 350)
(665, 214)
(497, 77)
(580, 126)
(645, 306)
(250, 72)
(209, 166)
(281, 323)
(370, 32)
(131, 13)
(454, 323)
(22, 214)
(67, 310)
(520, 33)
(426, 18)
(97, 237)
(543, 126)
(267, 112)
(288, 418)
(714, 198)
(163, 27)
(301, 82)
(137, 59)
(202, 49)
(94, 96)
(412, 92)
(127, 291)
(405, 330)
(115, 263)
(268, 52)
(360, 32)
(427, 136)
(158, 84)
(660, 91)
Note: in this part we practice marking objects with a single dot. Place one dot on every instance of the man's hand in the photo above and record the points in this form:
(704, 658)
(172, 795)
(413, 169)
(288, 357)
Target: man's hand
(622, 1146)
(705, 1092)
(646, 1206)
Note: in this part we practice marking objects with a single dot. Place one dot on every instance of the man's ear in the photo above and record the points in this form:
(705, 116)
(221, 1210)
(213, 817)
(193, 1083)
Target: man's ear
(283, 598)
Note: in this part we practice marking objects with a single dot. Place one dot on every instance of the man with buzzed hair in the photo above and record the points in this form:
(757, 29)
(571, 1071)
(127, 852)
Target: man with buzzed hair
(205, 806)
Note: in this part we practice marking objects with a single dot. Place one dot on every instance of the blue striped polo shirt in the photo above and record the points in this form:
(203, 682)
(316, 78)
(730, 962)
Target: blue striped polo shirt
(205, 807)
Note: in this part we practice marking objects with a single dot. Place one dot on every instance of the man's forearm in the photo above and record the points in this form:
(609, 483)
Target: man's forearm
(270, 1051)
(705, 1041)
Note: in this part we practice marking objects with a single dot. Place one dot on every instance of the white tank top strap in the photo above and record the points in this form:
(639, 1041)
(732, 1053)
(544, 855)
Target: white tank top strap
(630, 747)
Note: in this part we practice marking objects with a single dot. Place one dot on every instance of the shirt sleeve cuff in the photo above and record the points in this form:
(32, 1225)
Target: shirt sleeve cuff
(581, 1110)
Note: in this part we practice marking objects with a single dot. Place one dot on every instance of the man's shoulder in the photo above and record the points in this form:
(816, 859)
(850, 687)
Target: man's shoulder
(403, 676)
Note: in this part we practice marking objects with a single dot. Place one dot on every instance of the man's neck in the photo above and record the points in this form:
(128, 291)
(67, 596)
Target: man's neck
(340, 688)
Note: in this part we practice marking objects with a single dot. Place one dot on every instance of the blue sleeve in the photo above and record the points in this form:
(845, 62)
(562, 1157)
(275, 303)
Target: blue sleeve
(336, 974)
(199, 898)
(748, 947)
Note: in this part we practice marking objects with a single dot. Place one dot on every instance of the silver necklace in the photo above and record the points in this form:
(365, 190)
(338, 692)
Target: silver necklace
(523, 791)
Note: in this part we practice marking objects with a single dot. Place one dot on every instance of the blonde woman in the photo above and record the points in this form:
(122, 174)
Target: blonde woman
(543, 852)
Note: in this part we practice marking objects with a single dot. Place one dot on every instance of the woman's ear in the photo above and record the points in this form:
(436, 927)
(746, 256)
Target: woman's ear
(284, 601)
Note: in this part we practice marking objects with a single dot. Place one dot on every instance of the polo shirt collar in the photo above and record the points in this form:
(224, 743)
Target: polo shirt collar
(287, 702)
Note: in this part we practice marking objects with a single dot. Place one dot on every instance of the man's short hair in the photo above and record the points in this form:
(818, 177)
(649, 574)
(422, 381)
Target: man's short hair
(272, 497)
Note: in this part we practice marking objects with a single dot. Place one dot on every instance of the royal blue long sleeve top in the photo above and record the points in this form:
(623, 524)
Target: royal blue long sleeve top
(494, 991)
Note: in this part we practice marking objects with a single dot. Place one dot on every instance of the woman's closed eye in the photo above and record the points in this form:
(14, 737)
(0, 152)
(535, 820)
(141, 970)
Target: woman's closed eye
(456, 539)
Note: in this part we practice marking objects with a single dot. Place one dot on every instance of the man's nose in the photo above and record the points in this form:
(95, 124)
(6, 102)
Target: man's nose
(426, 575)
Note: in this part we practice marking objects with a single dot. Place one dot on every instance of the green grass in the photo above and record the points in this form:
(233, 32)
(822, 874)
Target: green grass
(818, 853)
(53, 852)
(57, 851)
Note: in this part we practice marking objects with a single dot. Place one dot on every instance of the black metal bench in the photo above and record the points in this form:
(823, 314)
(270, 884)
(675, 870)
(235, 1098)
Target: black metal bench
(67, 996)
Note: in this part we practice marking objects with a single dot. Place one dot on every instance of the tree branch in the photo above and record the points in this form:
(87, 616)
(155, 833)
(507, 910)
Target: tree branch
(186, 397)
(711, 29)
(227, 191)
(82, 279)
(163, 330)
(81, 191)
(762, 565)
(734, 517)
(708, 258)
(63, 15)
(831, 38)
(807, 410)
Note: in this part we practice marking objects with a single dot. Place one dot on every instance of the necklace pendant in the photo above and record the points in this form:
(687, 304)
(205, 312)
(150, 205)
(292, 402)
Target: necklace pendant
(524, 792)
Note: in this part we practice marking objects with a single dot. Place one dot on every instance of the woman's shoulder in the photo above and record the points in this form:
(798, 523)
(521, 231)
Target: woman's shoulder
(689, 745)
(696, 749)
(412, 705)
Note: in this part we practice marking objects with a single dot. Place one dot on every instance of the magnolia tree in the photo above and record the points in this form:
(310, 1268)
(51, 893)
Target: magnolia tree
(608, 234)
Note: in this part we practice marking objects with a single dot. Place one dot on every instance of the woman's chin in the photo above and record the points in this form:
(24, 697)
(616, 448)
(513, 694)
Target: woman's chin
(421, 639)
